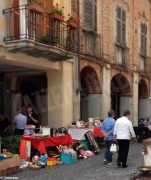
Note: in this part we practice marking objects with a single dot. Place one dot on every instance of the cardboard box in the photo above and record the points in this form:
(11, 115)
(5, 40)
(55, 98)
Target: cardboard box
(9, 166)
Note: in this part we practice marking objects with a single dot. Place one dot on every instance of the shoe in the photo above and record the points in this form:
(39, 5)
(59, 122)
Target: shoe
(105, 161)
(118, 164)
(125, 166)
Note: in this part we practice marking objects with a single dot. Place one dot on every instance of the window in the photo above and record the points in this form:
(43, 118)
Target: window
(143, 38)
(90, 15)
(122, 56)
(121, 26)
(142, 64)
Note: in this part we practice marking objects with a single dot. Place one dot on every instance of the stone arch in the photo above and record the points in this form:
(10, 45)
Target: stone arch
(90, 81)
(143, 91)
(120, 83)
(90, 93)
(143, 102)
(120, 94)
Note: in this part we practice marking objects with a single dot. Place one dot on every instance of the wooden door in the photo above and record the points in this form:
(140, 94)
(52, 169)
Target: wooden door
(48, 4)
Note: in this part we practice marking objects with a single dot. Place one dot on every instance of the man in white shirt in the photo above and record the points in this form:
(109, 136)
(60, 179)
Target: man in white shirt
(123, 131)
(20, 122)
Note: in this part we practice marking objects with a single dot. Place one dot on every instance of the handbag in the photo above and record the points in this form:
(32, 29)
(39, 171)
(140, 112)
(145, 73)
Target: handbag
(113, 148)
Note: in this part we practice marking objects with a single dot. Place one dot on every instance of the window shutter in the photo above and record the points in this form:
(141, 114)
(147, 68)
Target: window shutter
(143, 38)
(123, 27)
(119, 12)
(119, 31)
(119, 27)
(90, 15)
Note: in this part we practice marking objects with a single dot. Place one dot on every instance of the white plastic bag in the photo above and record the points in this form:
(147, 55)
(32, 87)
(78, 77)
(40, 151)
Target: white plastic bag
(113, 148)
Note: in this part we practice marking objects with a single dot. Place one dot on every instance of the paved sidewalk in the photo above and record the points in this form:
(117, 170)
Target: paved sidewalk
(89, 169)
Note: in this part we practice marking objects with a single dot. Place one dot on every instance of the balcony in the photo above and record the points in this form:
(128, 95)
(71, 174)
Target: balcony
(25, 25)
(92, 44)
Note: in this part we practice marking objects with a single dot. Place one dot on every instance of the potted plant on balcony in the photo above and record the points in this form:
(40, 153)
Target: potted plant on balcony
(36, 6)
(57, 13)
(72, 21)
(49, 39)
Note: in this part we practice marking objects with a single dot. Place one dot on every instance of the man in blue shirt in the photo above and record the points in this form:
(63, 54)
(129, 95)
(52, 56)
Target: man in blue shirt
(20, 122)
(107, 129)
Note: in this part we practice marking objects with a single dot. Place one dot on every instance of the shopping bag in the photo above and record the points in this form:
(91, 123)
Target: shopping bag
(113, 148)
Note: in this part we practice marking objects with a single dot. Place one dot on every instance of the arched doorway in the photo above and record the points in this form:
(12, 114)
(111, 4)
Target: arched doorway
(32, 90)
(143, 102)
(90, 93)
(120, 94)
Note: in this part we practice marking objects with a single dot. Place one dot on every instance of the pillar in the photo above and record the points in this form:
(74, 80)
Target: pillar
(106, 96)
(135, 99)
(60, 96)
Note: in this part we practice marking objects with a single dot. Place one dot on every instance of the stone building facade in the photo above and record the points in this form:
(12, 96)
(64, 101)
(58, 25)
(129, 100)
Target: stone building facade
(115, 57)
(37, 61)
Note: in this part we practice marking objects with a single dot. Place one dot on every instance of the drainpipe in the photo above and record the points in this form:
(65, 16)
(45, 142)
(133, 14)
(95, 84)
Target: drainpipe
(78, 48)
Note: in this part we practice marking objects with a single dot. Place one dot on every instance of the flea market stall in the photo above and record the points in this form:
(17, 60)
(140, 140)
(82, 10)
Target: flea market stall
(49, 146)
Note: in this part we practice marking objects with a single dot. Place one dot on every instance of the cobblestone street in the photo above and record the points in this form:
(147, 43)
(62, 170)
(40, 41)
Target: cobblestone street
(89, 169)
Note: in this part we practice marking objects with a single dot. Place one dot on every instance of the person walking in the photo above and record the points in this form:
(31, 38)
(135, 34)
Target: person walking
(122, 133)
(107, 129)
(20, 122)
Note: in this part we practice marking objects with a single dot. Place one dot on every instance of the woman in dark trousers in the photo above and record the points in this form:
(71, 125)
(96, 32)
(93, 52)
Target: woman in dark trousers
(122, 132)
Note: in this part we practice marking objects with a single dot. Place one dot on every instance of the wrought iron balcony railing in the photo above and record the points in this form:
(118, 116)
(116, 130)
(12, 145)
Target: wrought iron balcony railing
(23, 23)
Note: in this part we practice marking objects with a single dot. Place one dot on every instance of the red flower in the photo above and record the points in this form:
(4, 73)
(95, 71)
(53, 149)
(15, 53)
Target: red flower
(78, 19)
